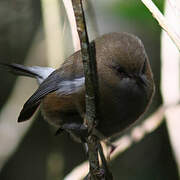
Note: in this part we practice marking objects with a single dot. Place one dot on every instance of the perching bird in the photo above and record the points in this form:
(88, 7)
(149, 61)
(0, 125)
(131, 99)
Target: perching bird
(125, 79)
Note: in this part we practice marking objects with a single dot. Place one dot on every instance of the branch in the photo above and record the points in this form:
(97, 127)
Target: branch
(53, 31)
(170, 80)
(163, 22)
(170, 69)
(91, 87)
(137, 134)
(72, 23)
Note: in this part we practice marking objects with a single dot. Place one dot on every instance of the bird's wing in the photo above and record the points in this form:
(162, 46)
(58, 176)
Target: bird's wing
(63, 83)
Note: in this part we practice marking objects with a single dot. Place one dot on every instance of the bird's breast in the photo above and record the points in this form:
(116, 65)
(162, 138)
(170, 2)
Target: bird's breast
(120, 106)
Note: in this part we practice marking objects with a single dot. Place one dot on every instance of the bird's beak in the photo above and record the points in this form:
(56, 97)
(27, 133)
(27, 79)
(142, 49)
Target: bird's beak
(142, 80)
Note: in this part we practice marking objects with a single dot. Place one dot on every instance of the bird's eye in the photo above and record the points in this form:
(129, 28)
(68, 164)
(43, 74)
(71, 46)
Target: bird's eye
(120, 70)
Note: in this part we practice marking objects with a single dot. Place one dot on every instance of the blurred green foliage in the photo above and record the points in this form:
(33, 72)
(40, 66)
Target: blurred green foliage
(135, 10)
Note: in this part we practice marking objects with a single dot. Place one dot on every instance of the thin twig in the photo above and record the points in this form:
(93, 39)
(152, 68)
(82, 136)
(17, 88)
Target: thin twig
(72, 23)
(53, 31)
(170, 80)
(89, 62)
(163, 22)
(123, 143)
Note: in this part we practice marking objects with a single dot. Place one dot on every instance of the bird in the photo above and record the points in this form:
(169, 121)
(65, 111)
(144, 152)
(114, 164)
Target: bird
(125, 80)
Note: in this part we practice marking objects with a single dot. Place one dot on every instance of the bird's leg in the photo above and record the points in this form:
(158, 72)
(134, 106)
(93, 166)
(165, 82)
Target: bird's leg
(112, 148)
(59, 131)
(105, 140)
(105, 170)
(86, 149)
(78, 131)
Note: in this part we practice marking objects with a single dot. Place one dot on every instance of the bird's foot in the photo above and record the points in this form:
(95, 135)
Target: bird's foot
(79, 132)
(100, 174)
(59, 132)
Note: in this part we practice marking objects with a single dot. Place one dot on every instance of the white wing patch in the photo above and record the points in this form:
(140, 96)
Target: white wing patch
(43, 72)
(70, 86)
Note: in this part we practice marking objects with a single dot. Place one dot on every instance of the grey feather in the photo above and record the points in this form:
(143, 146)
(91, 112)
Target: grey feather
(40, 73)
(54, 82)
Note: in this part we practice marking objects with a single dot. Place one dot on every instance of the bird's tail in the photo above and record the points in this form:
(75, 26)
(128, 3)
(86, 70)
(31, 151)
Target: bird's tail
(40, 73)
(18, 69)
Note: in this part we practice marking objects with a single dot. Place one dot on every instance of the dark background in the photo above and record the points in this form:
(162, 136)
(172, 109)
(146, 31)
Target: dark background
(41, 155)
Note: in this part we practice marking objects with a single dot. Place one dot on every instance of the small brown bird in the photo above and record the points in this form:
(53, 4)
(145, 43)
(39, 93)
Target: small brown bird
(125, 79)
